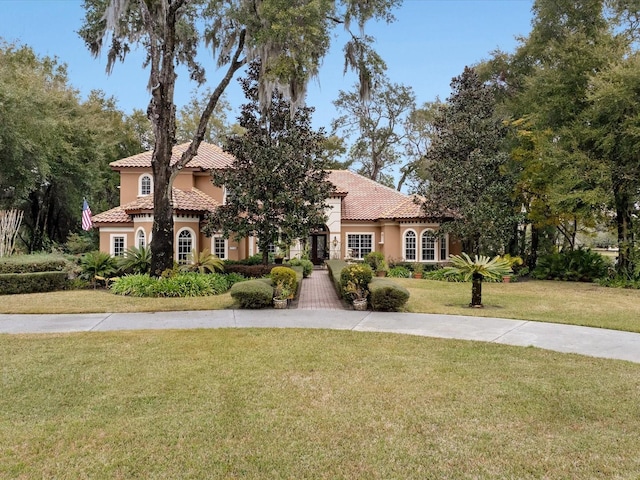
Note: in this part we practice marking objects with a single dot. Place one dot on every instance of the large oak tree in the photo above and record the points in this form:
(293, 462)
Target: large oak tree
(290, 39)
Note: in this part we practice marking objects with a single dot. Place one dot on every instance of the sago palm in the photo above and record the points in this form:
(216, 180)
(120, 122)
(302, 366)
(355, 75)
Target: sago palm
(476, 270)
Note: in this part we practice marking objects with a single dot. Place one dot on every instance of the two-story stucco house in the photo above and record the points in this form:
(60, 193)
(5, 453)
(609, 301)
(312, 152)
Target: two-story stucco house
(363, 216)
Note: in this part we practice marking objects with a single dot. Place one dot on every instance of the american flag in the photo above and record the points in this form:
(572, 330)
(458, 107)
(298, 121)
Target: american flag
(87, 224)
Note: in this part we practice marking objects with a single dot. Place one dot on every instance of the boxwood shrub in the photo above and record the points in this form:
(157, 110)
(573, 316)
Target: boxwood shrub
(37, 262)
(386, 295)
(16, 283)
(335, 268)
(253, 293)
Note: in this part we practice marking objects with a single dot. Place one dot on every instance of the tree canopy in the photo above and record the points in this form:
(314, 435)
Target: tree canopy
(289, 38)
(276, 188)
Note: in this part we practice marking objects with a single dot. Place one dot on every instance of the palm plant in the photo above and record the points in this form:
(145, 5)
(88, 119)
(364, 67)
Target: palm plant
(476, 270)
(136, 260)
(97, 266)
(205, 262)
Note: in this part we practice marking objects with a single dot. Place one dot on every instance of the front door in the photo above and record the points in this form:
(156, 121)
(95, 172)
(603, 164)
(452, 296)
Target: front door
(319, 245)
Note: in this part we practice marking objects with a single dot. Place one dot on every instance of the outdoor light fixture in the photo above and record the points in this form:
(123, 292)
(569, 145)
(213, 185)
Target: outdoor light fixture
(335, 242)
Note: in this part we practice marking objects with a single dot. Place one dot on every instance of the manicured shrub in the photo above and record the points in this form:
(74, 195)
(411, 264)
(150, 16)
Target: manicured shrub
(581, 265)
(16, 283)
(386, 295)
(335, 268)
(248, 271)
(37, 262)
(307, 265)
(286, 276)
(376, 261)
(252, 294)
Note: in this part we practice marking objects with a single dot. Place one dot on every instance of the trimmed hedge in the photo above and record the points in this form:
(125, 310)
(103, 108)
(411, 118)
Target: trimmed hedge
(33, 263)
(287, 276)
(15, 283)
(248, 271)
(386, 295)
(253, 293)
(335, 267)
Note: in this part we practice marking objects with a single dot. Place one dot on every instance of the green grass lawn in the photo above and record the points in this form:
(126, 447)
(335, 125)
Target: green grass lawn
(560, 302)
(262, 403)
(549, 301)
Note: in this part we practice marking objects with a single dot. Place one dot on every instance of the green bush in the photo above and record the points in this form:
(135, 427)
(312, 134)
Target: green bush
(135, 260)
(252, 294)
(97, 264)
(441, 275)
(581, 265)
(189, 284)
(376, 261)
(37, 262)
(16, 283)
(286, 276)
(399, 272)
(233, 278)
(356, 276)
(387, 296)
(77, 244)
(306, 264)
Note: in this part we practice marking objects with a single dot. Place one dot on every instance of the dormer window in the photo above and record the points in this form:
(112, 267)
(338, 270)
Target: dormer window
(145, 185)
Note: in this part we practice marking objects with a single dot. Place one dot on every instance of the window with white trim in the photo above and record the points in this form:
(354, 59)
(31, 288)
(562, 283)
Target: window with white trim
(141, 239)
(185, 246)
(428, 244)
(444, 254)
(410, 245)
(359, 244)
(145, 185)
(219, 247)
(118, 245)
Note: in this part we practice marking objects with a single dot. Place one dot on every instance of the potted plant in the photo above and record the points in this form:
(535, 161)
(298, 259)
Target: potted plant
(358, 296)
(418, 268)
(281, 296)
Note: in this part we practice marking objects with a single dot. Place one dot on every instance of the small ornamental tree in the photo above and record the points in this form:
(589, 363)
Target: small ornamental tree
(477, 269)
(276, 187)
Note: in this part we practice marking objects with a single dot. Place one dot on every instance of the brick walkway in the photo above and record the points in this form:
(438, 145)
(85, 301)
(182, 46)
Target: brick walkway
(317, 293)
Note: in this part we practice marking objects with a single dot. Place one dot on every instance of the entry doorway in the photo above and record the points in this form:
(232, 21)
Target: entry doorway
(318, 243)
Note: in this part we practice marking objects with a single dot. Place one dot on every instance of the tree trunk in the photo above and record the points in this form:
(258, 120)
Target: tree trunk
(535, 243)
(476, 291)
(624, 221)
(162, 255)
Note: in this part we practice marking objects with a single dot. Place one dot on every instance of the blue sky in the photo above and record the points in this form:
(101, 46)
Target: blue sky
(430, 42)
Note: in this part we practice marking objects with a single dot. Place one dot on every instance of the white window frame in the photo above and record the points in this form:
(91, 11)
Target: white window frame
(141, 234)
(140, 180)
(225, 253)
(432, 234)
(112, 244)
(415, 245)
(194, 245)
(360, 234)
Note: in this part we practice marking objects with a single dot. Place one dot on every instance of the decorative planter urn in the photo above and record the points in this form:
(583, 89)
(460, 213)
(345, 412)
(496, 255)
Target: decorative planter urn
(280, 304)
(360, 304)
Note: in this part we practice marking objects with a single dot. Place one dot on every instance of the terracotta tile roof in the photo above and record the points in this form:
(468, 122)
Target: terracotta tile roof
(185, 201)
(115, 215)
(366, 199)
(209, 157)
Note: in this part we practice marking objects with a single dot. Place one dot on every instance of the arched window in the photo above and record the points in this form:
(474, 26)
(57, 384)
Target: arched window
(141, 239)
(185, 246)
(145, 185)
(410, 247)
(428, 243)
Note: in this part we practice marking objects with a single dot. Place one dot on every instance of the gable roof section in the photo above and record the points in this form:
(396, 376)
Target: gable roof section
(194, 201)
(366, 199)
(209, 157)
